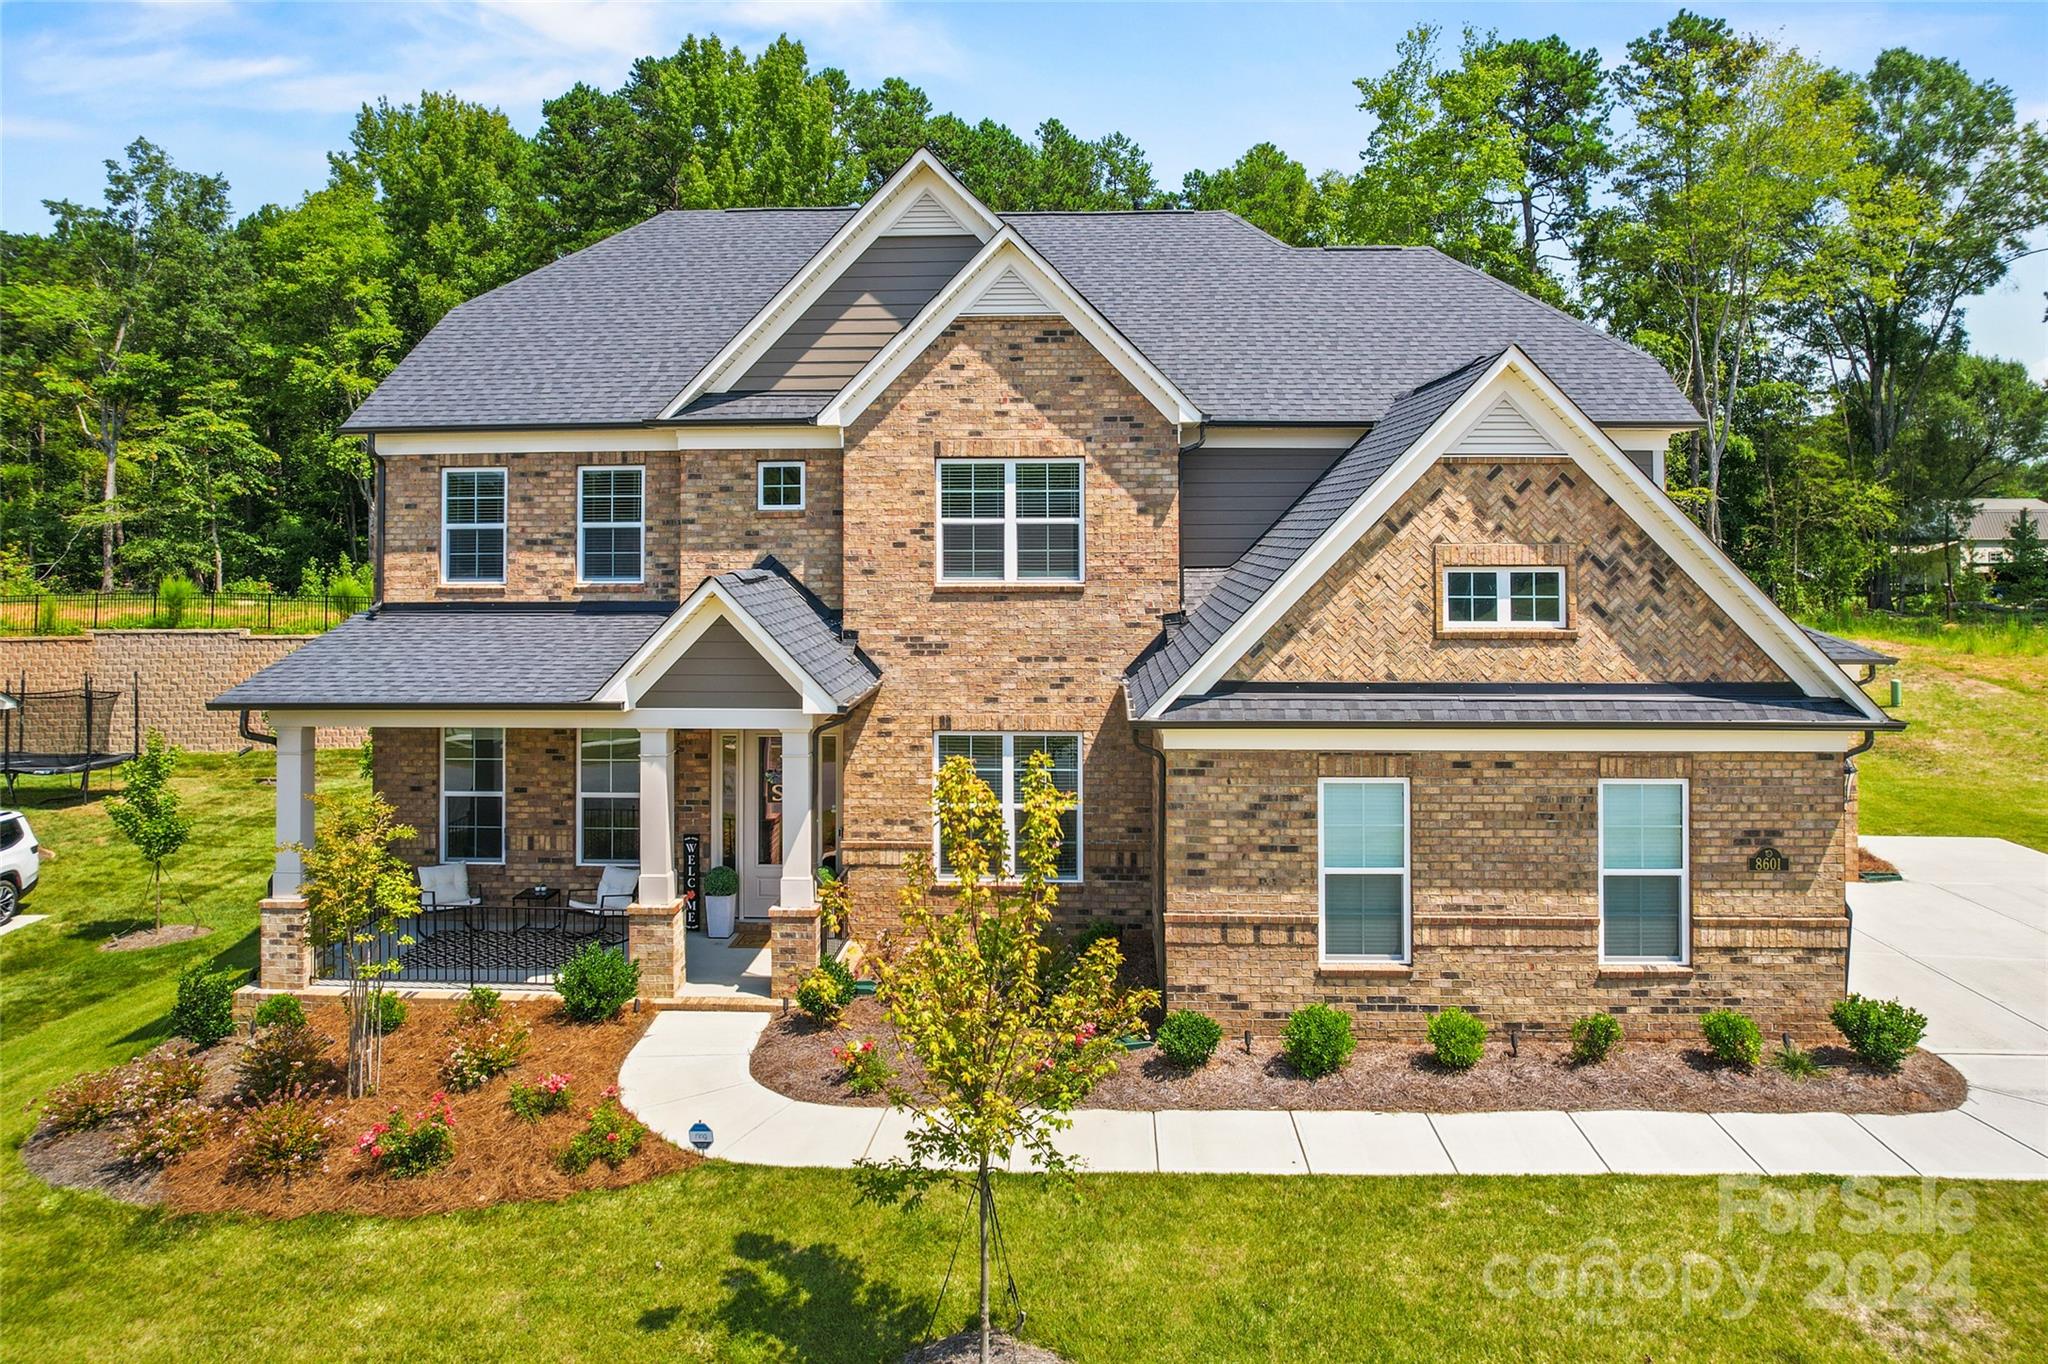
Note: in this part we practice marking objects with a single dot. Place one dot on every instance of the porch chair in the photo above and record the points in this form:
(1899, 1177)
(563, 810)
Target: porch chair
(446, 886)
(616, 889)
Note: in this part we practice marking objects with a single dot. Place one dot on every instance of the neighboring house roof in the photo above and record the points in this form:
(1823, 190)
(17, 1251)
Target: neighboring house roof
(1841, 650)
(1995, 515)
(1252, 576)
(455, 654)
(802, 625)
(1538, 706)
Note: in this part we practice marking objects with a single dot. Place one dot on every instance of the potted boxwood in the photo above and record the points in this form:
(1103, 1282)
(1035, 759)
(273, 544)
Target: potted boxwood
(721, 893)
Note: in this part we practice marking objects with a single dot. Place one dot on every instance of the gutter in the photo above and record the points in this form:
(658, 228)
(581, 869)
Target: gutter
(1158, 855)
(378, 524)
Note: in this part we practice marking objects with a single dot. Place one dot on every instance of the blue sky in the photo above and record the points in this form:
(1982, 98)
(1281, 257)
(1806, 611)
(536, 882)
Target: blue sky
(261, 92)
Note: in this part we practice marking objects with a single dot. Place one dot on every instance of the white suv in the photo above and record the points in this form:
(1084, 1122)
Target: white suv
(19, 865)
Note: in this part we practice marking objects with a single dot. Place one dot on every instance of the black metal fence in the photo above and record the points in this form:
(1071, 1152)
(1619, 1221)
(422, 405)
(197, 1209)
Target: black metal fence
(274, 613)
(486, 945)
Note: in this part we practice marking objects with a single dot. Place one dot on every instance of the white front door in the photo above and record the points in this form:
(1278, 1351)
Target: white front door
(760, 821)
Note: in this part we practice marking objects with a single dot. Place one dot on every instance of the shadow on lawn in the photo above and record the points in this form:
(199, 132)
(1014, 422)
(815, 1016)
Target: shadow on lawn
(815, 1300)
(239, 955)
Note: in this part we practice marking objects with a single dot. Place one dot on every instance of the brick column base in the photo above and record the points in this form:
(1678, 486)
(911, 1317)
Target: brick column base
(654, 938)
(794, 941)
(285, 957)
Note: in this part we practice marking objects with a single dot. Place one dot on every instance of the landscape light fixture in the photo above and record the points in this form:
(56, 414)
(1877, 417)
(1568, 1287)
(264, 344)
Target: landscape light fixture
(1247, 1041)
(700, 1137)
(1514, 1039)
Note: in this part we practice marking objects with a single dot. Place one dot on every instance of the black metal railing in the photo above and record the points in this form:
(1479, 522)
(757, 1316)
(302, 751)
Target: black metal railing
(486, 945)
(270, 613)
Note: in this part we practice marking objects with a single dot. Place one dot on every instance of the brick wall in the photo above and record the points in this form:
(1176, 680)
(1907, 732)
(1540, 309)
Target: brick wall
(1634, 615)
(176, 671)
(1505, 892)
(1003, 658)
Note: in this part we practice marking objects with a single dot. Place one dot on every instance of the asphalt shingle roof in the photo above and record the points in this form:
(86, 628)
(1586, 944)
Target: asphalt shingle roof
(1263, 565)
(1841, 650)
(801, 624)
(754, 407)
(1539, 706)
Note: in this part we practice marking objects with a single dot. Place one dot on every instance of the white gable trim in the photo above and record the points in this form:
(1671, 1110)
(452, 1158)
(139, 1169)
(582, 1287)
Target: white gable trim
(709, 604)
(920, 178)
(1006, 253)
(1571, 432)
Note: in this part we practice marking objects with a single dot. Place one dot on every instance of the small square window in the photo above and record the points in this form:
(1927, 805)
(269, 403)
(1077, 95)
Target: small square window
(781, 487)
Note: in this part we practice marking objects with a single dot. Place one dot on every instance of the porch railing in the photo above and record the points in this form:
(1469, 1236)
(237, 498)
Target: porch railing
(486, 945)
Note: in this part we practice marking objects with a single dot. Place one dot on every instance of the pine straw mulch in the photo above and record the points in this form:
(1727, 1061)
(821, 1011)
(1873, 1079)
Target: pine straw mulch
(1870, 862)
(498, 1158)
(794, 1057)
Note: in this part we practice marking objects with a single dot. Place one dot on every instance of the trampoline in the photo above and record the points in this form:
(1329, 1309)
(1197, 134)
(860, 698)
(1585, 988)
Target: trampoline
(58, 733)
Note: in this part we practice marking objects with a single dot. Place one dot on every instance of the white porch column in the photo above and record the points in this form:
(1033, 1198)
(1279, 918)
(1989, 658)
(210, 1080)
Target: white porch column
(799, 888)
(296, 749)
(657, 817)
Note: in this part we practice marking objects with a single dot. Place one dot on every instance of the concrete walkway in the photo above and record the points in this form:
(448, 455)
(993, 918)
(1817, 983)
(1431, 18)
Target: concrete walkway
(1964, 939)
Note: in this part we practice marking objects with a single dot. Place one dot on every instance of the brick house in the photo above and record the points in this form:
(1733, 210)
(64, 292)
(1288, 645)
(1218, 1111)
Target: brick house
(1340, 585)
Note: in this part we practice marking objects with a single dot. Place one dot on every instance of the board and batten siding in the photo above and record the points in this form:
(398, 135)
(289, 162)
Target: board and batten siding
(873, 300)
(1229, 498)
(721, 669)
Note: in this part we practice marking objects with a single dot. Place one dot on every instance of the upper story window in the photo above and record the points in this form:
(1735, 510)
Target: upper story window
(611, 523)
(1520, 598)
(1002, 761)
(1014, 520)
(1643, 871)
(473, 525)
(1362, 836)
(779, 486)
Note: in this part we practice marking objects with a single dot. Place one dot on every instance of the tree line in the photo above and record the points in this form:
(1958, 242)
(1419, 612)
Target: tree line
(1794, 242)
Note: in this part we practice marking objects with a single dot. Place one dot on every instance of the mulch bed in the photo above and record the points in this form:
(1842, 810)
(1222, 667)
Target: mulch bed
(498, 1158)
(794, 1057)
(1871, 862)
(965, 1348)
(154, 937)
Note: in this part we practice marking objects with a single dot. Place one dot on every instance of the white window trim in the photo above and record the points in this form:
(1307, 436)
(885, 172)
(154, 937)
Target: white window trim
(504, 760)
(803, 484)
(1010, 523)
(633, 795)
(1683, 871)
(1502, 596)
(1007, 797)
(583, 526)
(1407, 953)
(502, 525)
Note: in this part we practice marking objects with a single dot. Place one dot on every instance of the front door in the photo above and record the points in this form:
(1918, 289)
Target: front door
(760, 820)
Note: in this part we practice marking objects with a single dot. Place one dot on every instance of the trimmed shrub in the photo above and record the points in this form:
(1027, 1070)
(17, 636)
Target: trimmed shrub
(167, 1131)
(284, 1138)
(596, 983)
(611, 1135)
(205, 1007)
(389, 1011)
(1188, 1039)
(1732, 1037)
(825, 991)
(84, 1102)
(1318, 1041)
(282, 1058)
(278, 1010)
(1880, 1031)
(484, 1049)
(1593, 1037)
(531, 1103)
(1457, 1038)
(721, 881)
(403, 1147)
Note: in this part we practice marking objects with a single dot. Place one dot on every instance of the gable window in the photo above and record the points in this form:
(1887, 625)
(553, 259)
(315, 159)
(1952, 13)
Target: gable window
(1531, 597)
(1362, 842)
(611, 523)
(1001, 760)
(473, 525)
(608, 796)
(472, 795)
(1643, 871)
(1015, 520)
(780, 486)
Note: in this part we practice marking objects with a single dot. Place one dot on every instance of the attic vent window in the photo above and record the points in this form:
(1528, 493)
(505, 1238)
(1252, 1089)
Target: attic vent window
(1512, 598)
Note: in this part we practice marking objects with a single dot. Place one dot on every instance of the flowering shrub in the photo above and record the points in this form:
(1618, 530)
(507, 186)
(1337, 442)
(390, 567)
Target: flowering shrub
(284, 1138)
(163, 1133)
(403, 1147)
(611, 1135)
(162, 1081)
(485, 1047)
(867, 1070)
(283, 1056)
(531, 1103)
(83, 1103)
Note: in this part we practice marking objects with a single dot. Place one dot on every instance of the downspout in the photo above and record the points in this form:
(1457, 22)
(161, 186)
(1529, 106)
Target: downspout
(377, 524)
(1849, 910)
(1158, 854)
(254, 736)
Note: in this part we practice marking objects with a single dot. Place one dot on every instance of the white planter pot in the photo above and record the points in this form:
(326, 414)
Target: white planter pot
(718, 911)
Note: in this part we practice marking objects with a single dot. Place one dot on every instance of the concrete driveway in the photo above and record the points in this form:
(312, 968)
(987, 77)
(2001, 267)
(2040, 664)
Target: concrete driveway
(1964, 939)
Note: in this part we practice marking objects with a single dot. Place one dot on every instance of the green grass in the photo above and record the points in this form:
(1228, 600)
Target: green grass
(741, 1263)
(2004, 636)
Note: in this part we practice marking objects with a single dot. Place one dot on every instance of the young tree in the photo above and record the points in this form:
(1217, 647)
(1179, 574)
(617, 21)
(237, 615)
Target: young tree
(2023, 561)
(149, 813)
(1006, 1051)
(356, 891)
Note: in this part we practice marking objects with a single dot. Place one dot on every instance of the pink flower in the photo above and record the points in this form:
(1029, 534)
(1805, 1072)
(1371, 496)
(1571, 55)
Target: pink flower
(611, 1091)
(611, 1136)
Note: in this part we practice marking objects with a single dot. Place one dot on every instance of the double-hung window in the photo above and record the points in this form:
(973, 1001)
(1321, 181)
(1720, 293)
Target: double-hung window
(1516, 597)
(1001, 760)
(1016, 520)
(610, 523)
(1363, 849)
(473, 525)
(779, 485)
(1643, 871)
(472, 795)
(608, 796)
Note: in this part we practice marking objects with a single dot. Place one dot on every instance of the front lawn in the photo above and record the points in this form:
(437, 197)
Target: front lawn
(742, 1263)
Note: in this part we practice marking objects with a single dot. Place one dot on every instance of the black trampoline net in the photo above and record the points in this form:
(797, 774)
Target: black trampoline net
(58, 730)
